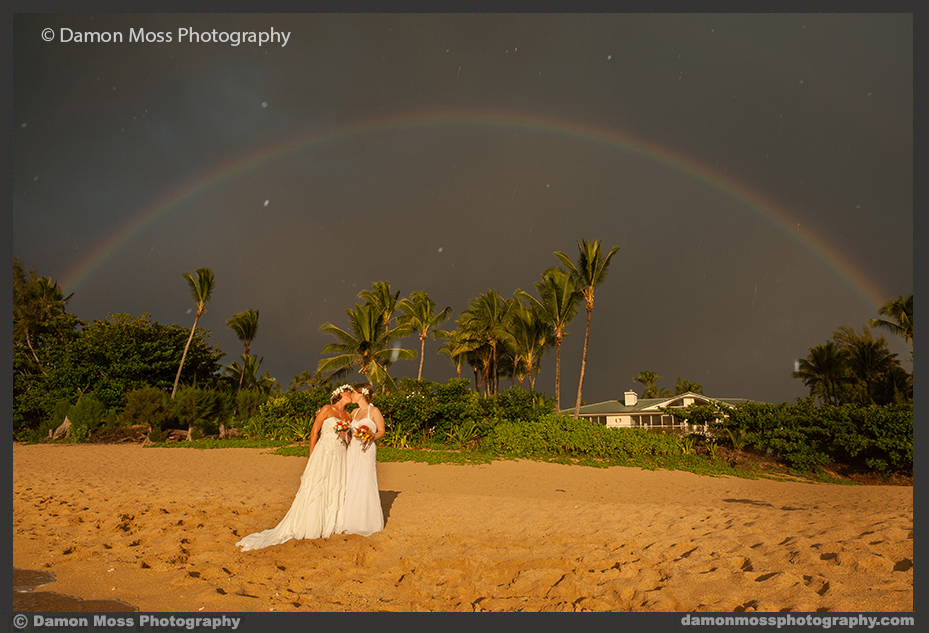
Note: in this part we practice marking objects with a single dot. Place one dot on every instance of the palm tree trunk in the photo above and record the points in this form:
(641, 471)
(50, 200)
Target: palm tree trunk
(244, 364)
(422, 352)
(580, 384)
(184, 355)
(29, 343)
(558, 371)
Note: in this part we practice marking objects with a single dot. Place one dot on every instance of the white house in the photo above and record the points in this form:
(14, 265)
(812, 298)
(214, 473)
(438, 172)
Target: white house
(633, 413)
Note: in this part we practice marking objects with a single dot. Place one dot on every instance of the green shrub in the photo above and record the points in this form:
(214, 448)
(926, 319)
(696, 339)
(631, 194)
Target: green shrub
(86, 415)
(248, 402)
(285, 417)
(807, 437)
(148, 406)
(561, 435)
(200, 410)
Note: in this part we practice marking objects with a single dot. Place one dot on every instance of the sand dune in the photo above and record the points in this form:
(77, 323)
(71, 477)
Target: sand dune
(156, 528)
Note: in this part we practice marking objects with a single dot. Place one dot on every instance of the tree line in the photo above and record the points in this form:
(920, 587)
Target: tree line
(61, 358)
(858, 368)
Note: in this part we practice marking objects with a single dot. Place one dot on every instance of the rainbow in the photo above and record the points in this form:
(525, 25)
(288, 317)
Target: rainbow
(823, 250)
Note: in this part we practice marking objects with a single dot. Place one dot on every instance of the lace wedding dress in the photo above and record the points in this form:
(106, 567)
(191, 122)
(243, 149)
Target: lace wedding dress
(317, 509)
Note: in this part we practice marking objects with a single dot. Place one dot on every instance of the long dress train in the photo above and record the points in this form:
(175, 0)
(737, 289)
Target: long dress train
(316, 511)
(362, 511)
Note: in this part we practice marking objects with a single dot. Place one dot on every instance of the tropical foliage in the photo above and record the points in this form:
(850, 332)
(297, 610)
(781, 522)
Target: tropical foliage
(877, 438)
(900, 315)
(245, 326)
(854, 368)
(558, 304)
(420, 317)
(108, 359)
(588, 272)
(201, 290)
(364, 346)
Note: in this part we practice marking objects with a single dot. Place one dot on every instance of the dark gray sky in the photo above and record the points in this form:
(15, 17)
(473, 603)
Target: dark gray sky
(756, 171)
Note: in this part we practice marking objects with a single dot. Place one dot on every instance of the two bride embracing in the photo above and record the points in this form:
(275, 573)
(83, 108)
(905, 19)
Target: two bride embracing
(338, 489)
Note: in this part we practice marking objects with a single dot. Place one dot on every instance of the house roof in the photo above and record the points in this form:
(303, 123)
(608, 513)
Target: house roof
(618, 407)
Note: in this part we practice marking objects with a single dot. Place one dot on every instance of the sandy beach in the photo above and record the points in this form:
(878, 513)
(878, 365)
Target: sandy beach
(156, 528)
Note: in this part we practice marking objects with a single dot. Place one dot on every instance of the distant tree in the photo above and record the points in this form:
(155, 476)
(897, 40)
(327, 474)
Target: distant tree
(383, 300)
(855, 368)
(201, 289)
(420, 316)
(900, 313)
(457, 345)
(558, 304)
(530, 336)
(823, 371)
(38, 305)
(245, 326)
(108, 358)
(310, 380)
(589, 272)
(684, 386)
(648, 379)
(870, 360)
(485, 320)
(364, 346)
(249, 369)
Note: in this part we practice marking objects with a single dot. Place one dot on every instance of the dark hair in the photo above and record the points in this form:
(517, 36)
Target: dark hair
(364, 385)
(337, 396)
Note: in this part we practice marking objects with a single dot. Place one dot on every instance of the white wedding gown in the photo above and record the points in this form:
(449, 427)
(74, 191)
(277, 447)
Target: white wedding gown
(362, 512)
(317, 509)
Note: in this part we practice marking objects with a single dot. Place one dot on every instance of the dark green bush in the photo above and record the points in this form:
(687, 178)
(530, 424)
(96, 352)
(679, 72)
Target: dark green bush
(200, 410)
(561, 435)
(807, 437)
(248, 402)
(148, 406)
(86, 415)
(289, 416)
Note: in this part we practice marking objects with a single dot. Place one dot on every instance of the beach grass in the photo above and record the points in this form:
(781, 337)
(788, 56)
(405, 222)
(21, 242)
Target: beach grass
(438, 454)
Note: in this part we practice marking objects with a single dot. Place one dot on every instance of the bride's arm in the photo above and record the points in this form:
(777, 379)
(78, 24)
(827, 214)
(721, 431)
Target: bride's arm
(378, 420)
(317, 425)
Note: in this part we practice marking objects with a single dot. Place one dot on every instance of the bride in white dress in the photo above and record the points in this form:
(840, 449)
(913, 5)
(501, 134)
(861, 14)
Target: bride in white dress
(317, 509)
(362, 511)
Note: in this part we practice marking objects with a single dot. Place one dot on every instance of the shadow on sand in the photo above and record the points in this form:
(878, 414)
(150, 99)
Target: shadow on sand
(25, 599)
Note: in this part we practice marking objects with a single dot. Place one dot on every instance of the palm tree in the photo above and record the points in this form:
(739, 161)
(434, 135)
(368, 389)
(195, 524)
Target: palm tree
(245, 326)
(684, 386)
(559, 303)
(900, 311)
(458, 344)
(648, 380)
(531, 335)
(382, 300)
(41, 299)
(870, 360)
(364, 346)
(588, 273)
(823, 370)
(201, 289)
(249, 368)
(419, 314)
(485, 319)
(309, 380)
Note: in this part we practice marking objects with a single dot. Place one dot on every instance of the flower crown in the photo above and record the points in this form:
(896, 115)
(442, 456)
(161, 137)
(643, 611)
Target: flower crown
(342, 388)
